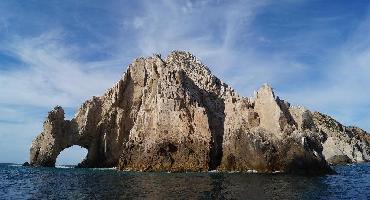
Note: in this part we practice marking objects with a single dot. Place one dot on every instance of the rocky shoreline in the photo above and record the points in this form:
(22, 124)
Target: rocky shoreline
(173, 115)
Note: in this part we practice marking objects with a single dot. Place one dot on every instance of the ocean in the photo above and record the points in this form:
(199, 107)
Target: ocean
(17, 182)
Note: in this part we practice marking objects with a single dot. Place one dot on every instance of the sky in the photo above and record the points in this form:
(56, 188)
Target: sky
(313, 53)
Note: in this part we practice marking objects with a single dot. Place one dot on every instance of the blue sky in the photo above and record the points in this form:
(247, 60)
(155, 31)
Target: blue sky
(314, 53)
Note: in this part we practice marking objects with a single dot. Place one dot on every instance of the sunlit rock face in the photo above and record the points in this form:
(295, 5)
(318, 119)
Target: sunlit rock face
(60, 134)
(173, 115)
(342, 144)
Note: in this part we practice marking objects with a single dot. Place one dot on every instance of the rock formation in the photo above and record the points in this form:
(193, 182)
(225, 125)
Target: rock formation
(174, 115)
(342, 144)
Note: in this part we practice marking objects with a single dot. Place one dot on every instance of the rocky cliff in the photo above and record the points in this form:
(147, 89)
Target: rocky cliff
(342, 144)
(174, 115)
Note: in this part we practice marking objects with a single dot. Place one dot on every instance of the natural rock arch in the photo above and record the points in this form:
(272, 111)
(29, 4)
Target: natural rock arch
(71, 156)
(60, 134)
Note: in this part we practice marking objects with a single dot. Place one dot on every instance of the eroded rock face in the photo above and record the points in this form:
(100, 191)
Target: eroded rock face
(174, 115)
(57, 135)
(342, 144)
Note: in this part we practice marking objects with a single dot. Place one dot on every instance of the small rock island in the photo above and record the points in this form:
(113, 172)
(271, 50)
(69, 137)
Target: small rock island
(173, 115)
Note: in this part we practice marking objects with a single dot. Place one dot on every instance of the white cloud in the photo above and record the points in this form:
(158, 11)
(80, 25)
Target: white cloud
(50, 74)
(343, 92)
(138, 23)
(213, 32)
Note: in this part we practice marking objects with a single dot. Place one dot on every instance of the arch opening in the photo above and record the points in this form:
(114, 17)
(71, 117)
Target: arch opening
(71, 156)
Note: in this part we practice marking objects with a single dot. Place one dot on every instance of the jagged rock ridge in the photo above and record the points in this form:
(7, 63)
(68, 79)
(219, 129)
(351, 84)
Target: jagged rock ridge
(174, 115)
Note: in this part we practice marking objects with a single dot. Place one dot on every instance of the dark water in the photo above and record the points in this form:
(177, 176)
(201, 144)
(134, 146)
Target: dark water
(16, 182)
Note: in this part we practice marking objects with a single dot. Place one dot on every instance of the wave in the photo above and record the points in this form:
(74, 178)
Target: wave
(110, 168)
(64, 166)
(15, 165)
(74, 167)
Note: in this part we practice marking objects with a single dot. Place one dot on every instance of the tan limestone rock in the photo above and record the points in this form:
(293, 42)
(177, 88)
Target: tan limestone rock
(173, 115)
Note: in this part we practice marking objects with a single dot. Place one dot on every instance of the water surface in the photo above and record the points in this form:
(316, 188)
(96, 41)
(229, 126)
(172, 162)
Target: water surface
(17, 182)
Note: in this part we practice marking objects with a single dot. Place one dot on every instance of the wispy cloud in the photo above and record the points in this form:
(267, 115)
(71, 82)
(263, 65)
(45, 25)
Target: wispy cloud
(343, 90)
(50, 74)
(220, 33)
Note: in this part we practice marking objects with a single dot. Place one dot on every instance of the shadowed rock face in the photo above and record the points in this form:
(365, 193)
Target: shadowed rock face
(174, 115)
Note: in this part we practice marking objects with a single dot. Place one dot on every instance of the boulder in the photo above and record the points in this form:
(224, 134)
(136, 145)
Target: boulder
(339, 160)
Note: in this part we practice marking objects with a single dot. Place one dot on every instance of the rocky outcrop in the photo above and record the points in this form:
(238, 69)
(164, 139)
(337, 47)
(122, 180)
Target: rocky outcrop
(60, 134)
(342, 144)
(267, 134)
(174, 115)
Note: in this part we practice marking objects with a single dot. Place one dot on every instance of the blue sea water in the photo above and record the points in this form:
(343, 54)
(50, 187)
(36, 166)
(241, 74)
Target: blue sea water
(17, 182)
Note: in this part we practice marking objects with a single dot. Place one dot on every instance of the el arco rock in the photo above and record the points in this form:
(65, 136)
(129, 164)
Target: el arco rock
(174, 115)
